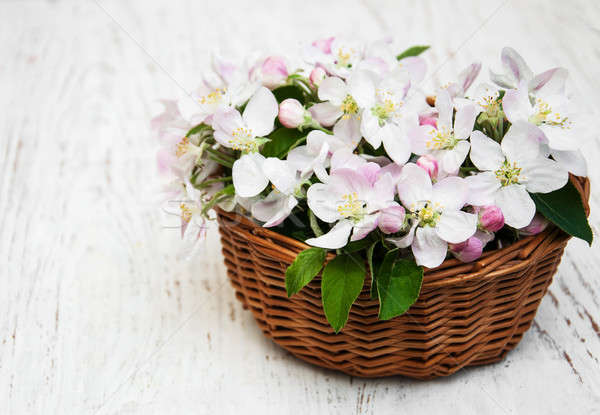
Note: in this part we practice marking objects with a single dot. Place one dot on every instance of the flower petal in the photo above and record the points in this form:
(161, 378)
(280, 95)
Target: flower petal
(464, 121)
(428, 248)
(224, 123)
(260, 112)
(419, 136)
(516, 104)
(515, 64)
(274, 208)
(281, 174)
(333, 89)
(544, 175)
(572, 161)
(336, 238)
(451, 193)
(443, 104)
(414, 186)
(406, 240)
(521, 142)
(396, 144)
(551, 81)
(364, 227)
(348, 130)
(370, 128)
(517, 206)
(248, 176)
(391, 219)
(323, 202)
(456, 226)
(325, 113)
(482, 188)
(486, 154)
(453, 159)
(361, 87)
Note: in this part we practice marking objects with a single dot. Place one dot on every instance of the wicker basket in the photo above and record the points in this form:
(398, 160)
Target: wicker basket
(466, 314)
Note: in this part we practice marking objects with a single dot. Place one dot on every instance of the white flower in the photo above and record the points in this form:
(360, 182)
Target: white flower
(388, 118)
(510, 171)
(447, 142)
(436, 214)
(357, 199)
(245, 132)
(278, 204)
(345, 100)
(563, 129)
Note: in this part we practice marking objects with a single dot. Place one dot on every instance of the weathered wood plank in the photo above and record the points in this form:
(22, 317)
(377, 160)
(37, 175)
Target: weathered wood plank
(100, 314)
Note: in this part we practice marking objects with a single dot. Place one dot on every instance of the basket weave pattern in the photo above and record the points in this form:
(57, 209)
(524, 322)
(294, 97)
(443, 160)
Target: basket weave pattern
(466, 314)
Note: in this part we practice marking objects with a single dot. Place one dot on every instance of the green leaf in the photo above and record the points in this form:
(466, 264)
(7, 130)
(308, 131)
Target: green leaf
(281, 140)
(398, 287)
(289, 91)
(358, 245)
(343, 279)
(413, 51)
(564, 208)
(307, 264)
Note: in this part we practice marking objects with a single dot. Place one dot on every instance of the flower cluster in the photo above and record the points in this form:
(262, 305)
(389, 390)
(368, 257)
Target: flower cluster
(344, 143)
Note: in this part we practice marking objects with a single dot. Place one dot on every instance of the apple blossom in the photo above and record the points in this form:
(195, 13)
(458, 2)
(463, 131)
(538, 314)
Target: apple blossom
(510, 170)
(562, 128)
(467, 251)
(435, 214)
(244, 132)
(354, 199)
(273, 71)
(448, 141)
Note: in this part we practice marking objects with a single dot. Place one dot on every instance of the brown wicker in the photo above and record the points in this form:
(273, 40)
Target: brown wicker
(466, 314)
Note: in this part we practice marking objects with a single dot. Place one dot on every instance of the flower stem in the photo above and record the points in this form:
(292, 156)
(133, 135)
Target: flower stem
(314, 225)
(221, 161)
(219, 154)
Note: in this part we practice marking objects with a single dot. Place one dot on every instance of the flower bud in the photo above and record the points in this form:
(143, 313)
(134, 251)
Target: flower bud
(274, 72)
(429, 164)
(291, 113)
(491, 218)
(391, 219)
(467, 251)
(317, 76)
(537, 225)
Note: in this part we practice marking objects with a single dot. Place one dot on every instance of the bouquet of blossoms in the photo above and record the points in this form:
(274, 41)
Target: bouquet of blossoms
(341, 149)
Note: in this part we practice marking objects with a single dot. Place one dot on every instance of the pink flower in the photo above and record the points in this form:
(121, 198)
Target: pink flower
(537, 225)
(467, 251)
(291, 113)
(429, 164)
(491, 218)
(357, 200)
(274, 71)
(428, 119)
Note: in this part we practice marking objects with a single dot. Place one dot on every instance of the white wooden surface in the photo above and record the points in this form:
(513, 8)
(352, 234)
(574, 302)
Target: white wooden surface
(100, 314)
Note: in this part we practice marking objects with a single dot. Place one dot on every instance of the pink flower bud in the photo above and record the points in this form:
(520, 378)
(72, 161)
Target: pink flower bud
(467, 251)
(391, 219)
(537, 225)
(274, 72)
(317, 76)
(491, 218)
(429, 164)
(428, 119)
(324, 45)
(291, 113)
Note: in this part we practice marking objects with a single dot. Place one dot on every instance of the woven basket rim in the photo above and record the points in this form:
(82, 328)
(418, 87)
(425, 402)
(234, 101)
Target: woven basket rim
(451, 271)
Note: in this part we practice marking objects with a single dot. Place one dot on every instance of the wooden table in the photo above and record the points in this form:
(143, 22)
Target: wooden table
(100, 313)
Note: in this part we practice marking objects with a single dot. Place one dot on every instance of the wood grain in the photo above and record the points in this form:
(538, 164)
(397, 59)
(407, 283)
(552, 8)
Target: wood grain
(100, 312)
